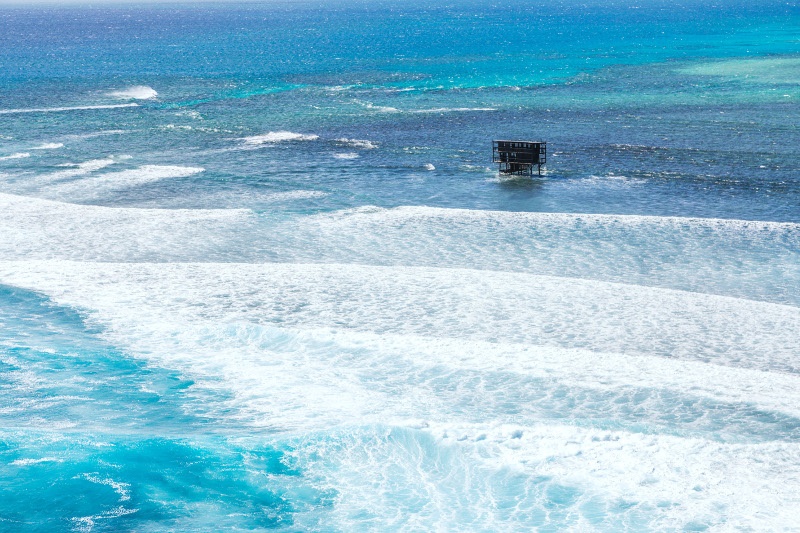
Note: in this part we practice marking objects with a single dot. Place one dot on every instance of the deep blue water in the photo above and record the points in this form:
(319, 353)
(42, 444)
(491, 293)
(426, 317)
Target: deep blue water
(257, 271)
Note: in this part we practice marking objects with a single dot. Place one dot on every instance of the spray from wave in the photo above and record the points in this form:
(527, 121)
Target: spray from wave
(137, 92)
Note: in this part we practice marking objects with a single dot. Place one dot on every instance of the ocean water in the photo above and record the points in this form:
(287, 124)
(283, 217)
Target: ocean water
(258, 273)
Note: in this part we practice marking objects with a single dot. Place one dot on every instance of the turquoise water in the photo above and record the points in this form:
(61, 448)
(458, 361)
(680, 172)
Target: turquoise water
(257, 271)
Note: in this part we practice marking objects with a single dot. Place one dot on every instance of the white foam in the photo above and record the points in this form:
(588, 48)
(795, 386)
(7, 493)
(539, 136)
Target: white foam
(389, 109)
(378, 411)
(260, 363)
(97, 186)
(18, 155)
(33, 184)
(191, 114)
(423, 212)
(122, 489)
(28, 462)
(752, 259)
(137, 92)
(49, 146)
(477, 168)
(454, 109)
(74, 170)
(379, 108)
(294, 195)
(312, 379)
(346, 155)
(579, 369)
(613, 180)
(675, 482)
(85, 524)
(279, 136)
(429, 166)
(35, 228)
(518, 478)
(95, 134)
(476, 305)
(60, 109)
(338, 88)
(357, 143)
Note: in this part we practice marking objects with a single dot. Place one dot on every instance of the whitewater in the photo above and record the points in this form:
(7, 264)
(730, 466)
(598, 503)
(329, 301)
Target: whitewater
(258, 272)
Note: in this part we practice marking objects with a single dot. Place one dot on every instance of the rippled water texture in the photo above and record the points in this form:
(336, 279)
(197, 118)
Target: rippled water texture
(257, 271)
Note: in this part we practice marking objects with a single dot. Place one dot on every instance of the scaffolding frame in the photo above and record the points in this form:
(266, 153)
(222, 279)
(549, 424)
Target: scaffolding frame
(519, 157)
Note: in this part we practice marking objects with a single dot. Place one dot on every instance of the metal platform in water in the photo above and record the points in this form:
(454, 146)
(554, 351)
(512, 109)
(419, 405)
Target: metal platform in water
(519, 157)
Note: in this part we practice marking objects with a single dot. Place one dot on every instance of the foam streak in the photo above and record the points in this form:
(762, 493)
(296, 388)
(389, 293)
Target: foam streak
(60, 109)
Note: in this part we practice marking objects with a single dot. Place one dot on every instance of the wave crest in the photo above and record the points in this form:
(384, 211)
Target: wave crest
(49, 146)
(279, 136)
(137, 92)
(357, 143)
(18, 155)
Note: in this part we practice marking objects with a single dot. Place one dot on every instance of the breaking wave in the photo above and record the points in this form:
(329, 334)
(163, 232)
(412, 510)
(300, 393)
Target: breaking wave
(47, 229)
(137, 92)
(49, 146)
(279, 136)
(427, 395)
(18, 155)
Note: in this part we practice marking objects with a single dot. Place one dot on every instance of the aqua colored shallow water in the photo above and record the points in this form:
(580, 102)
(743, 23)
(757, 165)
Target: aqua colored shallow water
(257, 271)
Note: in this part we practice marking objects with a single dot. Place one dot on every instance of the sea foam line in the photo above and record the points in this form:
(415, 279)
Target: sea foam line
(357, 143)
(48, 146)
(453, 109)
(93, 187)
(237, 351)
(743, 258)
(29, 462)
(18, 206)
(772, 391)
(249, 356)
(389, 109)
(278, 136)
(18, 155)
(79, 169)
(59, 109)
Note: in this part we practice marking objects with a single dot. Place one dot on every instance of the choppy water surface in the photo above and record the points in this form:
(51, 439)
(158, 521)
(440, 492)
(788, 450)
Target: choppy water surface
(258, 273)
